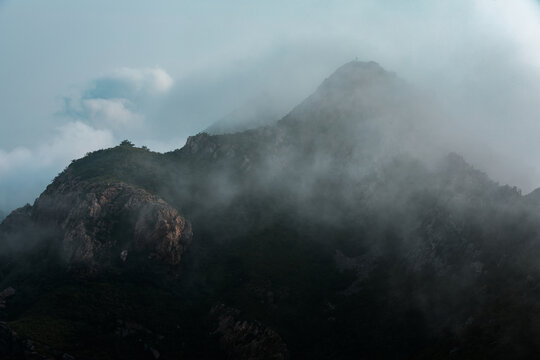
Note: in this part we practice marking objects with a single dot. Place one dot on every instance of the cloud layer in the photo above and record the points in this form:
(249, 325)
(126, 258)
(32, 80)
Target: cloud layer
(479, 59)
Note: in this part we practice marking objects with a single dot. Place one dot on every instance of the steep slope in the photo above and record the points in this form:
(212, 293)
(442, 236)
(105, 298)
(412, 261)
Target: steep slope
(329, 235)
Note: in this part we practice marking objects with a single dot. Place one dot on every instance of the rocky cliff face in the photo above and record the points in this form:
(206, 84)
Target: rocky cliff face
(105, 223)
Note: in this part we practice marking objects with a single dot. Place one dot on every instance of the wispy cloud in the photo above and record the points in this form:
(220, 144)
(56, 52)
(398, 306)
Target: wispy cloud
(111, 113)
(24, 170)
(118, 101)
(12, 159)
(71, 141)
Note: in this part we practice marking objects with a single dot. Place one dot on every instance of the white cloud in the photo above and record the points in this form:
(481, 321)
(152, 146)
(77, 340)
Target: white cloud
(146, 80)
(12, 159)
(73, 141)
(516, 20)
(25, 170)
(120, 100)
(112, 113)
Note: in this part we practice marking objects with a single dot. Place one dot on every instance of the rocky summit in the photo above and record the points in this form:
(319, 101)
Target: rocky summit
(341, 231)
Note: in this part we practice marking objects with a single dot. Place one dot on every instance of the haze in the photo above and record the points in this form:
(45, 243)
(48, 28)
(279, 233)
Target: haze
(80, 76)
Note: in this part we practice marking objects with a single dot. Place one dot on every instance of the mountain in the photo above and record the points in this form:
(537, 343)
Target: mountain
(340, 232)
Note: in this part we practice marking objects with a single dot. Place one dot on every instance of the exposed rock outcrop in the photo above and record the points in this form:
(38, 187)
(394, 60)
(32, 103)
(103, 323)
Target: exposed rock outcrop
(104, 222)
(13, 346)
(4, 295)
(17, 231)
(18, 217)
(247, 340)
(9, 343)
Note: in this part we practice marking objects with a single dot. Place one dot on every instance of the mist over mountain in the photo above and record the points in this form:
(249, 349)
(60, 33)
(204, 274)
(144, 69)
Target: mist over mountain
(262, 110)
(158, 73)
(347, 229)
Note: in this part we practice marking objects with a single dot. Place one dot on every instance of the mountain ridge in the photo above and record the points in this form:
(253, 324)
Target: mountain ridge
(327, 235)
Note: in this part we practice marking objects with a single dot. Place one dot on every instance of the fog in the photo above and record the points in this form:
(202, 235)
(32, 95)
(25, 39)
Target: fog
(83, 77)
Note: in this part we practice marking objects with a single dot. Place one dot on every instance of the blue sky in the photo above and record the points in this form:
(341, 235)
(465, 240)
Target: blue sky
(76, 76)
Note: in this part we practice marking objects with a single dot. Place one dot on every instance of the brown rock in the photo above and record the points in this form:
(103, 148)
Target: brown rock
(99, 221)
(4, 294)
(245, 340)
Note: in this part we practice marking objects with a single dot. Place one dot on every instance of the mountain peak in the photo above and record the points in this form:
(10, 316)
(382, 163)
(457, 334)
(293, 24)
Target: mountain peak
(358, 74)
(360, 66)
(356, 87)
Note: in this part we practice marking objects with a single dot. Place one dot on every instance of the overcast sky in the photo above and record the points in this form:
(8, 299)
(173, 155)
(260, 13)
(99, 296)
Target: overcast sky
(77, 76)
